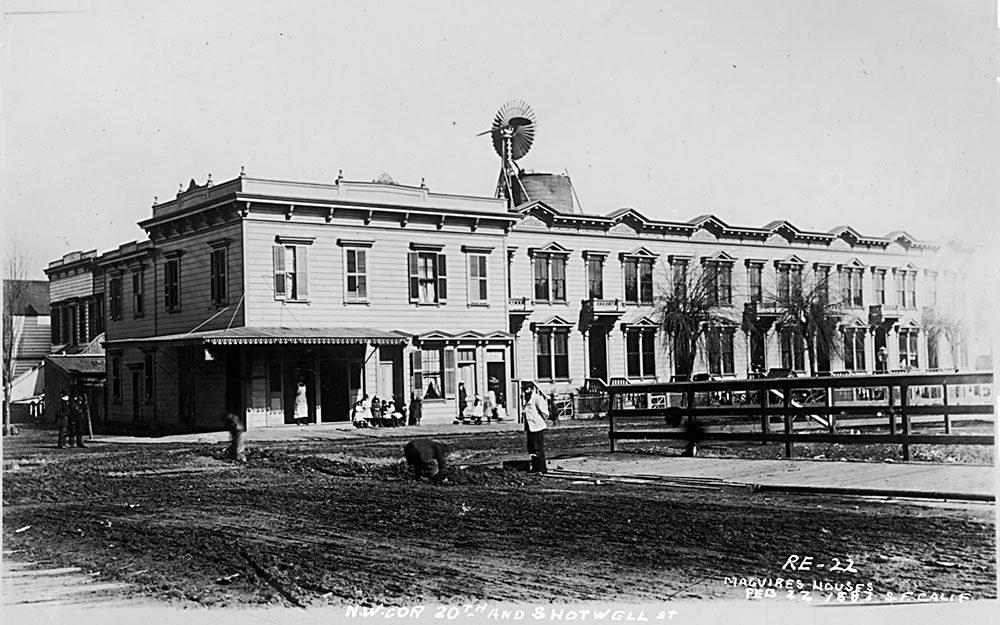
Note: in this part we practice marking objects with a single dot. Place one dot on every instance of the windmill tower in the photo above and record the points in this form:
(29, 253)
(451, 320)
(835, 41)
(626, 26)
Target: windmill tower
(513, 132)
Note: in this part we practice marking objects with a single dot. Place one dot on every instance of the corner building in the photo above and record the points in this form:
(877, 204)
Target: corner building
(246, 287)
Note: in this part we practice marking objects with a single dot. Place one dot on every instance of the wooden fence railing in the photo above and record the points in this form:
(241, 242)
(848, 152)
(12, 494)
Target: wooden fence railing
(744, 410)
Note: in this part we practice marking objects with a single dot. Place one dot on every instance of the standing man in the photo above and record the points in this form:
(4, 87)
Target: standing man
(62, 417)
(535, 412)
(463, 401)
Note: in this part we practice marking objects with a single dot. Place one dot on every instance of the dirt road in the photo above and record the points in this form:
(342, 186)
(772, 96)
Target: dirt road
(339, 521)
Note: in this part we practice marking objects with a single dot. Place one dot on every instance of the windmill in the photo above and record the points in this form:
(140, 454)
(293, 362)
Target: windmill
(513, 132)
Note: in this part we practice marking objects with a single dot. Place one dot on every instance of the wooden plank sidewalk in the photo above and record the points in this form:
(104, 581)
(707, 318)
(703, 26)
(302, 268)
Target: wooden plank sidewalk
(973, 482)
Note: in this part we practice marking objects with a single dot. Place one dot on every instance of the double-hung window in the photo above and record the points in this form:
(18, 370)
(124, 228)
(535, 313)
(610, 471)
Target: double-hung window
(549, 272)
(138, 293)
(595, 276)
(356, 264)
(428, 271)
(789, 282)
(638, 280)
(719, 282)
(851, 286)
(290, 263)
(878, 284)
(218, 268)
(755, 280)
(719, 341)
(908, 348)
(552, 353)
(640, 352)
(679, 276)
(172, 284)
(854, 348)
(150, 381)
(114, 301)
(478, 285)
(793, 349)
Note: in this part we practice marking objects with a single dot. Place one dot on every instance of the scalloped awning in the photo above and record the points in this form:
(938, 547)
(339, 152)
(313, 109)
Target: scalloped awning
(276, 336)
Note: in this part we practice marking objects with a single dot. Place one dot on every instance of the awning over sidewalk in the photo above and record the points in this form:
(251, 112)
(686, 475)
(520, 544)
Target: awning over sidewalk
(274, 336)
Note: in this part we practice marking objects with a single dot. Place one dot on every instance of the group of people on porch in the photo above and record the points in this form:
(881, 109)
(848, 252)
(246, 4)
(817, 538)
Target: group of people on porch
(482, 407)
(373, 412)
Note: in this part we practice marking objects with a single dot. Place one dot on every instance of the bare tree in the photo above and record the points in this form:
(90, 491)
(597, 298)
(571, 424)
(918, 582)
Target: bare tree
(690, 302)
(14, 291)
(803, 302)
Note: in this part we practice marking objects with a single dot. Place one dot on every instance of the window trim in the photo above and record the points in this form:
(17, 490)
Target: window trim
(472, 290)
(551, 330)
(218, 294)
(138, 294)
(172, 304)
(642, 331)
(350, 298)
(115, 304)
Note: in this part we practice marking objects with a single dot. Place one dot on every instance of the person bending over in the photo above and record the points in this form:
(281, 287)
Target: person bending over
(426, 457)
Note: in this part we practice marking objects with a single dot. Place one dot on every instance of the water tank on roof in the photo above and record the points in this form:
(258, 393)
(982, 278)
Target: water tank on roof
(556, 190)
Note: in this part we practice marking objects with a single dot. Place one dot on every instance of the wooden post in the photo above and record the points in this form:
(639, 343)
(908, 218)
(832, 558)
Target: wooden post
(831, 419)
(947, 415)
(611, 418)
(892, 413)
(765, 419)
(904, 391)
(788, 421)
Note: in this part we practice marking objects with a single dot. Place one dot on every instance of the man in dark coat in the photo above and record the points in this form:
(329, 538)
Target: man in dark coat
(70, 418)
(426, 457)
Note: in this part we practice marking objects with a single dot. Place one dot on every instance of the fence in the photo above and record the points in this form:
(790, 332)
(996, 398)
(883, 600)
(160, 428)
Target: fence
(578, 405)
(746, 409)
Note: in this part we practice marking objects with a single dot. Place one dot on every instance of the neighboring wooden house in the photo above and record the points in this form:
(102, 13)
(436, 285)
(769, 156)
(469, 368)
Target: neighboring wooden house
(27, 303)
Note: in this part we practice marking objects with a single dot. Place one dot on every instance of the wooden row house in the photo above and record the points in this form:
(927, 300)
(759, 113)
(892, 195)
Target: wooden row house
(246, 288)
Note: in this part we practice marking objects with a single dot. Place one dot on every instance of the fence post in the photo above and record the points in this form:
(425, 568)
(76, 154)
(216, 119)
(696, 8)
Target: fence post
(904, 391)
(611, 418)
(947, 414)
(788, 421)
(765, 419)
(892, 412)
(831, 419)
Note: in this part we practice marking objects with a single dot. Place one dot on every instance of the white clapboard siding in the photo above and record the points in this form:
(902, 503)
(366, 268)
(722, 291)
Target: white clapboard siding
(79, 285)
(388, 307)
(195, 291)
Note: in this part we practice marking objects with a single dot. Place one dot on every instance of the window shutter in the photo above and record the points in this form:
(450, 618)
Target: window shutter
(279, 271)
(414, 278)
(301, 270)
(416, 369)
(450, 372)
(442, 279)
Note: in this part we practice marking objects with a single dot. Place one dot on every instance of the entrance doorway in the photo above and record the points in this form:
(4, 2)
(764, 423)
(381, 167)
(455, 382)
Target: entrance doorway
(137, 394)
(336, 399)
(496, 375)
(597, 345)
(881, 351)
(758, 358)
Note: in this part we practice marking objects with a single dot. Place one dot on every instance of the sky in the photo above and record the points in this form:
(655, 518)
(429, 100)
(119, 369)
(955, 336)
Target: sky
(878, 115)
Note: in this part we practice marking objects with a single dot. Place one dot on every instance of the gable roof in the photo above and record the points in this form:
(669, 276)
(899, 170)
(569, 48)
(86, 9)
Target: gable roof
(30, 298)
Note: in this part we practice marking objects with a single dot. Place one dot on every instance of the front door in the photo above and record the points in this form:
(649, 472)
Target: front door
(597, 342)
(758, 361)
(335, 398)
(385, 378)
(881, 351)
(137, 394)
